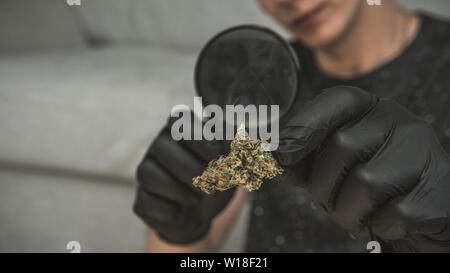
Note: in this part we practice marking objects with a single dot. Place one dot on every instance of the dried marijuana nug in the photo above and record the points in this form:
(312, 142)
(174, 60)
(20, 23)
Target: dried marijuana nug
(246, 165)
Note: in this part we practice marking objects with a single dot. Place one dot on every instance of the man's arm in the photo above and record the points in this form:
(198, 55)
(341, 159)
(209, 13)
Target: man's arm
(216, 236)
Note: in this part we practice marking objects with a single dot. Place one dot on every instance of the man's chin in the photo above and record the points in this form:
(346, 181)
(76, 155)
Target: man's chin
(317, 39)
(314, 42)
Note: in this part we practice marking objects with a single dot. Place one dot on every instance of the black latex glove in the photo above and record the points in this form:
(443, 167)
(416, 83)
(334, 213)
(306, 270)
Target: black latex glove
(373, 166)
(166, 200)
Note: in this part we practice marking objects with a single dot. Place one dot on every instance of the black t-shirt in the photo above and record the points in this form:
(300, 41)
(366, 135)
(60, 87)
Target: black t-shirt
(283, 217)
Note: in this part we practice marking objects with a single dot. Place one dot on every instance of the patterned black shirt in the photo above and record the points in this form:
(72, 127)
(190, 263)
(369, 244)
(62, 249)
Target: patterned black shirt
(283, 217)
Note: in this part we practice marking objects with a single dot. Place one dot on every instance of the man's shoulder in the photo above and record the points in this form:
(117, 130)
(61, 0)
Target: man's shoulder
(442, 24)
(437, 32)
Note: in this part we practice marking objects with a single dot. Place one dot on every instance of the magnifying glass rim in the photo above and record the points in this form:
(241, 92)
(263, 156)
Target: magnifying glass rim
(267, 30)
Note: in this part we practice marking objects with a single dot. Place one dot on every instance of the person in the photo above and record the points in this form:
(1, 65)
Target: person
(365, 150)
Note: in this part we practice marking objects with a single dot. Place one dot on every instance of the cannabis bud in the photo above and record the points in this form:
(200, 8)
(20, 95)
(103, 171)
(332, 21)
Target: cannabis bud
(246, 165)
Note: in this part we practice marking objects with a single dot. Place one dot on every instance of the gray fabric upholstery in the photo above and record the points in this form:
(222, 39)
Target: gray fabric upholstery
(185, 24)
(30, 26)
(42, 213)
(89, 111)
(438, 7)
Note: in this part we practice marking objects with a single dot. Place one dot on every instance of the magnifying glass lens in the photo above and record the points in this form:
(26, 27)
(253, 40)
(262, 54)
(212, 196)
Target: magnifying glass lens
(248, 65)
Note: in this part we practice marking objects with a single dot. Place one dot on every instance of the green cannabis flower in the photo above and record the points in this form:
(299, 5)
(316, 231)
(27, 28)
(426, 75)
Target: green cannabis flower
(246, 165)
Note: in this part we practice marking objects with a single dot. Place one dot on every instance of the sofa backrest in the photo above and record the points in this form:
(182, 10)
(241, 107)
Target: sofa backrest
(34, 25)
(50, 24)
(181, 23)
(186, 23)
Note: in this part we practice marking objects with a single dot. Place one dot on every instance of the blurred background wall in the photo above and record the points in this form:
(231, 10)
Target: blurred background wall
(83, 90)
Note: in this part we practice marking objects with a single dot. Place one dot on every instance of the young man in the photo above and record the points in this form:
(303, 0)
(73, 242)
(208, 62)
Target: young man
(359, 158)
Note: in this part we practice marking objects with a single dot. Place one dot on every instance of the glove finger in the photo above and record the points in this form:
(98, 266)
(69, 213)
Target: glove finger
(156, 179)
(206, 150)
(154, 210)
(297, 174)
(172, 156)
(394, 220)
(344, 150)
(421, 211)
(392, 173)
(306, 130)
(361, 154)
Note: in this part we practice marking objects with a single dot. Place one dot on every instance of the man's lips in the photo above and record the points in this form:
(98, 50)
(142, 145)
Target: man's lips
(308, 19)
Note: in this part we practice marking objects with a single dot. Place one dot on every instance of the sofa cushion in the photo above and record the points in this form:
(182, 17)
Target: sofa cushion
(43, 213)
(37, 25)
(92, 112)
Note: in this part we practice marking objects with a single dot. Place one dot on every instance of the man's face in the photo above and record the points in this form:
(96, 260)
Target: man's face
(317, 23)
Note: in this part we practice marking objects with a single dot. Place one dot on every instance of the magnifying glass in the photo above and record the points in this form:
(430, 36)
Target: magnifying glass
(248, 65)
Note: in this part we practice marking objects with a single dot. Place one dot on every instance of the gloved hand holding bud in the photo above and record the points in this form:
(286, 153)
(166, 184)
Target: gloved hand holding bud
(375, 168)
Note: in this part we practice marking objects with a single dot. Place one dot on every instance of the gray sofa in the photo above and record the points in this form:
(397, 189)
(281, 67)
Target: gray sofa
(83, 90)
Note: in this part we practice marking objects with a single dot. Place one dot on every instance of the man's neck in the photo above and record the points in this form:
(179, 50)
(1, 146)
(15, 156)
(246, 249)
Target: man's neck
(377, 36)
